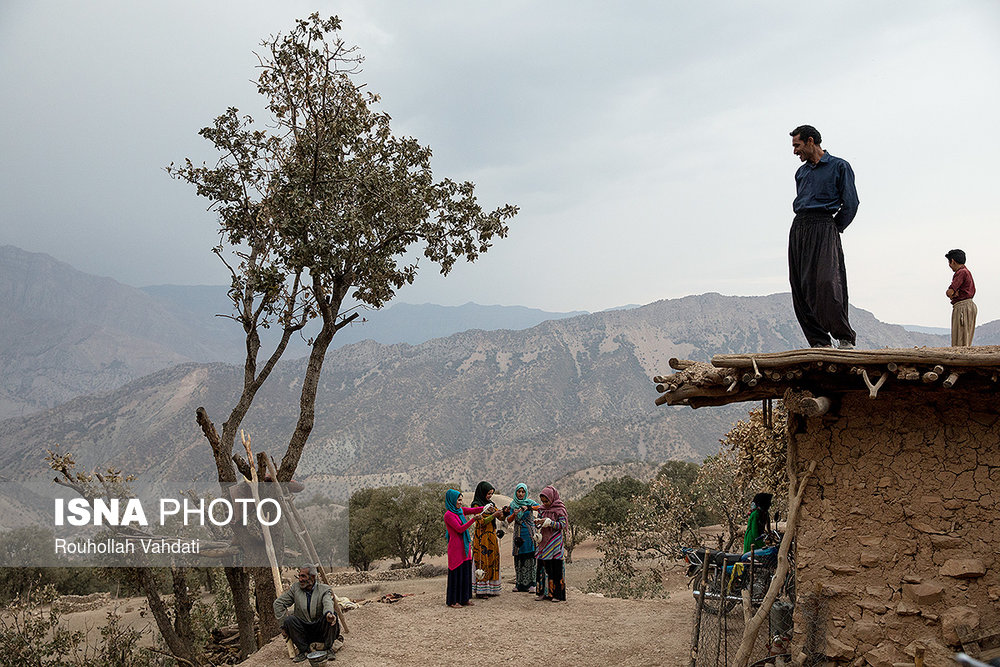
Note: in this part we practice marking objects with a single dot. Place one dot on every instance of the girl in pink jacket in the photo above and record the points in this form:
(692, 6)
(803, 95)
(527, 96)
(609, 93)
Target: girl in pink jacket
(459, 553)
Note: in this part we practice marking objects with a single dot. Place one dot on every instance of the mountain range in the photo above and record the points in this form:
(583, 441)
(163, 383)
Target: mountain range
(514, 404)
(65, 333)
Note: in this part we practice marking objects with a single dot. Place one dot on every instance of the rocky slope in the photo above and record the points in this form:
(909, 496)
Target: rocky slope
(509, 406)
(64, 333)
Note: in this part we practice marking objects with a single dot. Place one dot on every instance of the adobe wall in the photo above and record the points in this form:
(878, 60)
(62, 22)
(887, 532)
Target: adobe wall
(900, 528)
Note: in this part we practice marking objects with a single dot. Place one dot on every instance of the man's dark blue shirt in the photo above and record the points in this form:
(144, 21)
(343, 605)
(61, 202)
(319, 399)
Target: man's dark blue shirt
(827, 185)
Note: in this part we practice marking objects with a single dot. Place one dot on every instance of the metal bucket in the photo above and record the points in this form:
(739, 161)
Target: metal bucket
(316, 657)
(781, 619)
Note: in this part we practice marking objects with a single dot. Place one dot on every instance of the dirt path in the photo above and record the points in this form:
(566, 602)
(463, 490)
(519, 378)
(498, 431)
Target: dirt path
(512, 629)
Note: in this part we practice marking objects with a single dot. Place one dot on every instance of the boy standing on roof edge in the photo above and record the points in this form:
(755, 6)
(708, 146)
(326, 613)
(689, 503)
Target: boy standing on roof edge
(961, 291)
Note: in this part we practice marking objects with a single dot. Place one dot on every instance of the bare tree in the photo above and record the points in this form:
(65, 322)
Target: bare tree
(173, 620)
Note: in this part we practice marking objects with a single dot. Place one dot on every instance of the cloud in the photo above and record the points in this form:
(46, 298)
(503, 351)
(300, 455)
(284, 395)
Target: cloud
(646, 144)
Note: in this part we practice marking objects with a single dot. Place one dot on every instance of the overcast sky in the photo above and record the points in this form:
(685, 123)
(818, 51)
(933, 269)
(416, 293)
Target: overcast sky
(645, 142)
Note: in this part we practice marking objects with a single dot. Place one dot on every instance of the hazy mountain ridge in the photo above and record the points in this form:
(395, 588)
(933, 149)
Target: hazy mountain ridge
(396, 323)
(986, 334)
(528, 405)
(64, 333)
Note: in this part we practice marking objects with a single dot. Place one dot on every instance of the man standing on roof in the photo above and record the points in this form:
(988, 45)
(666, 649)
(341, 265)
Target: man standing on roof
(825, 204)
(961, 291)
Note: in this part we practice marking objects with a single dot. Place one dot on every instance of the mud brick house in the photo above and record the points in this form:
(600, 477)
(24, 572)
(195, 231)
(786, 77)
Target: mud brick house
(898, 537)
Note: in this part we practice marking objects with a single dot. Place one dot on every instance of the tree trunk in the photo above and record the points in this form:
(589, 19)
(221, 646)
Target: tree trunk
(239, 584)
(263, 587)
(329, 310)
(307, 405)
(178, 646)
(182, 606)
(222, 449)
(238, 579)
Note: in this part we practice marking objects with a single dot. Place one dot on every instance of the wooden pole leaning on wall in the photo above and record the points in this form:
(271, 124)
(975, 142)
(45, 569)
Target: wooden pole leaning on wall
(696, 632)
(796, 487)
(302, 536)
(268, 542)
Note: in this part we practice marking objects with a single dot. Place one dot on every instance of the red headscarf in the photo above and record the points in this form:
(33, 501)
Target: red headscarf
(556, 509)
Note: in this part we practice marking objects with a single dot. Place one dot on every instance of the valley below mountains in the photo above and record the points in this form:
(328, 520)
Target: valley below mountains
(118, 384)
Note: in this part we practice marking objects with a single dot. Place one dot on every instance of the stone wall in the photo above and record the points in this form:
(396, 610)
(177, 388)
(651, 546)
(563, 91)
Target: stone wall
(373, 576)
(900, 529)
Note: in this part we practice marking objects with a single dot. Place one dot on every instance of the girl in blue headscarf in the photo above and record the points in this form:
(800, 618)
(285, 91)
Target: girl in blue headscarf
(459, 552)
(524, 544)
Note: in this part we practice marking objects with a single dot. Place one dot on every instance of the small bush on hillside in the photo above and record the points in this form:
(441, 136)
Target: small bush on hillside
(25, 545)
(119, 645)
(32, 633)
(403, 522)
(429, 571)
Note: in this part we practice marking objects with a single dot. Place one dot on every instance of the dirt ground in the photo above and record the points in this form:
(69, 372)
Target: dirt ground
(512, 629)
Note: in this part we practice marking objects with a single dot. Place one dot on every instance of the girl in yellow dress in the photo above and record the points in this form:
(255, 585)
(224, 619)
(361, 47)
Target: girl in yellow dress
(485, 545)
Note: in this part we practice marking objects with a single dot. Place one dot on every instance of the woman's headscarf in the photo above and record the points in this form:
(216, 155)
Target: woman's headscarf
(481, 491)
(451, 503)
(516, 504)
(762, 501)
(556, 509)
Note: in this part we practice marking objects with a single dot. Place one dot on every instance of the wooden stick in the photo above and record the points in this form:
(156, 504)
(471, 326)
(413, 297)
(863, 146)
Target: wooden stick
(855, 357)
(305, 540)
(714, 396)
(873, 388)
(169, 655)
(268, 543)
(815, 407)
(752, 628)
(696, 633)
(680, 364)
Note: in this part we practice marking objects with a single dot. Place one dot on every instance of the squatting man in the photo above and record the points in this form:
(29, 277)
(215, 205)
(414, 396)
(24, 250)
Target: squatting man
(313, 618)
